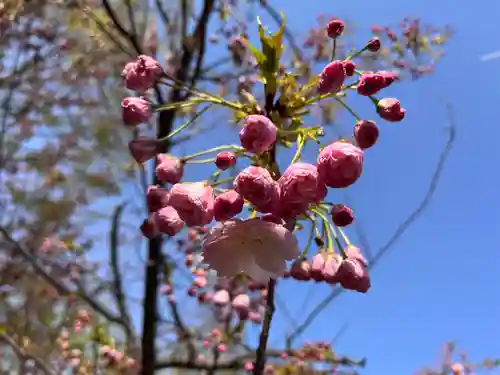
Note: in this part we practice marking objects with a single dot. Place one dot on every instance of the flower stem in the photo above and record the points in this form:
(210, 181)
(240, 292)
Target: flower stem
(187, 123)
(200, 161)
(300, 146)
(334, 48)
(348, 108)
(311, 237)
(220, 182)
(326, 227)
(213, 149)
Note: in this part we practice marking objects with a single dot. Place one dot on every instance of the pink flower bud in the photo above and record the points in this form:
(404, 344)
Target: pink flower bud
(224, 160)
(200, 282)
(221, 297)
(194, 203)
(149, 228)
(370, 84)
(354, 276)
(317, 267)
(331, 269)
(258, 134)
(300, 185)
(142, 74)
(365, 133)
(340, 164)
(248, 366)
(166, 289)
(135, 111)
(156, 197)
(169, 168)
(332, 77)
(335, 28)
(143, 149)
(390, 110)
(373, 44)
(256, 185)
(342, 215)
(227, 205)
(168, 221)
(300, 270)
(241, 304)
(350, 67)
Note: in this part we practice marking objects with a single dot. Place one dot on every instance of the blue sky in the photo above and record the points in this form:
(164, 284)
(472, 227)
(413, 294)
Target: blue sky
(438, 282)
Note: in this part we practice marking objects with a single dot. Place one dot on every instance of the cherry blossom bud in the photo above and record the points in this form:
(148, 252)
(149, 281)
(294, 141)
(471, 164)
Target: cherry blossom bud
(168, 221)
(366, 133)
(249, 366)
(390, 110)
(354, 276)
(143, 149)
(241, 304)
(258, 134)
(224, 160)
(317, 266)
(300, 185)
(227, 205)
(370, 84)
(340, 164)
(142, 74)
(194, 203)
(191, 292)
(342, 215)
(373, 44)
(200, 282)
(149, 228)
(166, 289)
(332, 77)
(349, 67)
(256, 185)
(221, 297)
(156, 197)
(300, 270)
(169, 168)
(135, 111)
(335, 28)
(331, 269)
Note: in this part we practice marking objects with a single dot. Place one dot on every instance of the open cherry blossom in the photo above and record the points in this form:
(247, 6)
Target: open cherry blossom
(256, 247)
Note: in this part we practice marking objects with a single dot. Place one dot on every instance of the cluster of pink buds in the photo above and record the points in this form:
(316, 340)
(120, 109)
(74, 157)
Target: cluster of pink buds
(116, 360)
(238, 296)
(349, 270)
(214, 341)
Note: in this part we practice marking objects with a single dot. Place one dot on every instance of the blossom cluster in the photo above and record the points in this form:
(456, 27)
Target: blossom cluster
(261, 244)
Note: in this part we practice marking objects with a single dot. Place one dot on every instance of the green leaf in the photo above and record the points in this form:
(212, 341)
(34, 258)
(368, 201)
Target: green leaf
(272, 46)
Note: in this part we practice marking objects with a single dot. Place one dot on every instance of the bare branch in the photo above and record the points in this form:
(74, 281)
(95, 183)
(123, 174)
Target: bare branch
(23, 357)
(117, 278)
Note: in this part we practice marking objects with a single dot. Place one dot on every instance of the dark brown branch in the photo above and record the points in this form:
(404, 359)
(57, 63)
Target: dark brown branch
(115, 269)
(165, 125)
(120, 28)
(239, 362)
(403, 227)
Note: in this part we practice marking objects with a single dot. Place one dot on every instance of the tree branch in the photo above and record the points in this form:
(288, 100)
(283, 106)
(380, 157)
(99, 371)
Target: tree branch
(58, 285)
(23, 357)
(115, 269)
